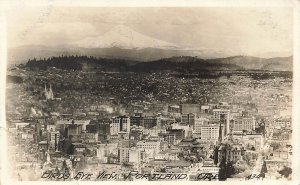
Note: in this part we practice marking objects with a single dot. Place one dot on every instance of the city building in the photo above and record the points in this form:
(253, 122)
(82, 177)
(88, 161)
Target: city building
(105, 151)
(188, 118)
(54, 139)
(149, 122)
(241, 124)
(209, 132)
(136, 120)
(190, 108)
(223, 115)
(150, 147)
(231, 153)
(101, 127)
(120, 124)
(199, 122)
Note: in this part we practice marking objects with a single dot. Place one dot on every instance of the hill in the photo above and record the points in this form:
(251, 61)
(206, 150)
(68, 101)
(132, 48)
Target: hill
(183, 64)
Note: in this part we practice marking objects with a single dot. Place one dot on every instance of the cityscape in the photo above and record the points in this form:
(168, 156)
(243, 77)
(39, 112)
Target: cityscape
(126, 105)
(59, 128)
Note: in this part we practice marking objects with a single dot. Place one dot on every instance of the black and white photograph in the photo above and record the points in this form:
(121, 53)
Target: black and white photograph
(149, 93)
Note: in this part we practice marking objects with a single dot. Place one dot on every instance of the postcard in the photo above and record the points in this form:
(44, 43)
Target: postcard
(173, 92)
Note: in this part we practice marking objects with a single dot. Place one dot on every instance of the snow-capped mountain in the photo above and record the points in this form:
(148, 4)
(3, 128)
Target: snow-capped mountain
(121, 42)
(123, 37)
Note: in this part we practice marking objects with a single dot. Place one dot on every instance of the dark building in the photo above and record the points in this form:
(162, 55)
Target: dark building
(102, 127)
(149, 122)
(74, 130)
(173, 135)
(136, 120)
(104, 132)
(190, 108)
(174, 109)
(188, 118)
(231, 153)
(92, 128)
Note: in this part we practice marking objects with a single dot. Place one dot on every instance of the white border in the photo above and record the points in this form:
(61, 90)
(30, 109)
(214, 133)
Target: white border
(156, 3)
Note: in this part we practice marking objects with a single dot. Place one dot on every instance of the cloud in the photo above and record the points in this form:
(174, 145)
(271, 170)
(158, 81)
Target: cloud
(53, 33)
(240, 29)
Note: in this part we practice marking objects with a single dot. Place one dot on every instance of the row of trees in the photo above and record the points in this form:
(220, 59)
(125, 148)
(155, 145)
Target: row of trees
(185, 65)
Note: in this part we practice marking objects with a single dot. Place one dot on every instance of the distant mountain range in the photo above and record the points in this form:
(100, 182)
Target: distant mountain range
(22, 54)
(122, 42)
(173, 64)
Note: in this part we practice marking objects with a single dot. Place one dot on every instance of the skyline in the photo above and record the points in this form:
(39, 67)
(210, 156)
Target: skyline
(262, 32)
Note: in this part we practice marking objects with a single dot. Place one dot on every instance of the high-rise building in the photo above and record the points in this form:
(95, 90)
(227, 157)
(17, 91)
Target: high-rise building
(131, 155)
(54, 139)
(243, 123)
(123, 155)
(104, 132)
(223, 115)
(199, 122)
(188, 118)
(136, 120)
(101, 127)
(209, 132)
(120, 124)
(149, 122)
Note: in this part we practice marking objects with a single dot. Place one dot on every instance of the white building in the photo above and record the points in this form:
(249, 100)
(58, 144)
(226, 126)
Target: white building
(150, 147)
(249, 123)
(130, 155)
(209, 132)
(54, 134)
(120, 124)
(199, 122)
(123, 155)
(66, 122)
(244, 123)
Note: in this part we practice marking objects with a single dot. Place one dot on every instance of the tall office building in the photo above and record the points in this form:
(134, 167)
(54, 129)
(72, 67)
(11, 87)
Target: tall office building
(120, 124)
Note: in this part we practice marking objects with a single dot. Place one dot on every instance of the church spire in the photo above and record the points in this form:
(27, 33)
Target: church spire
(51, 93)
(220, 134)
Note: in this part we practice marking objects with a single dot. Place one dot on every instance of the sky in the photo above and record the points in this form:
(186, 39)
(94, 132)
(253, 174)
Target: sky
(251, 31)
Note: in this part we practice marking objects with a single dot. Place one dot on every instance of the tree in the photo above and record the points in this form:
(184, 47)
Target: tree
(264, 169)
(222, 170)
(286, 171)
(275, 145)
(64, 167)
(216, 155)
(230, 169)
(241, 167)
